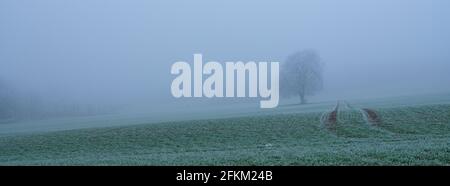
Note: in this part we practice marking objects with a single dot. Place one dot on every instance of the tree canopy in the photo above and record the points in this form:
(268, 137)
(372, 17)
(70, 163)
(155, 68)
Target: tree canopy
(301, 75)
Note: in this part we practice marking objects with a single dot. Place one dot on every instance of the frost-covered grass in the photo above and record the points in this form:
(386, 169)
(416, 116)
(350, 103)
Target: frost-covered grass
(407, 135)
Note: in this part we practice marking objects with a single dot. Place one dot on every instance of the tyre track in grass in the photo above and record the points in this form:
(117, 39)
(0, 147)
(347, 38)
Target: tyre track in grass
(370, 115)
(329, 119)
(372, 118)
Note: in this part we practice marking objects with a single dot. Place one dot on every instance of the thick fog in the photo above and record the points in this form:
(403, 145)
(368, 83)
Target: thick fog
(119, 53)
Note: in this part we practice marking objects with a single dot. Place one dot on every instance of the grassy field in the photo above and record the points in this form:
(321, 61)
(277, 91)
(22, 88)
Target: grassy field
(417, 134)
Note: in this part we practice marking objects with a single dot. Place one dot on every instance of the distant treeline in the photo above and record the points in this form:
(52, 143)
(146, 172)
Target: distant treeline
(16, 105)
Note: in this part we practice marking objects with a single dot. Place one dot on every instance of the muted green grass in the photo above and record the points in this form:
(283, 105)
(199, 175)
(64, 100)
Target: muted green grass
(415, 135)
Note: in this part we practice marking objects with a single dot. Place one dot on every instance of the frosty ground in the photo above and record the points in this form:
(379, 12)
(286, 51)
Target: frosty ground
(412, 131)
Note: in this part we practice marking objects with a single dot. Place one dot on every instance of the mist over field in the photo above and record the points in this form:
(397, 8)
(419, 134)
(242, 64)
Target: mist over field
(362, 82)
(115, 56)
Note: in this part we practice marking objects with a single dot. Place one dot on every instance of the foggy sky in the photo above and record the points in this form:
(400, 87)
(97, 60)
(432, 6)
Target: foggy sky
(105, 51)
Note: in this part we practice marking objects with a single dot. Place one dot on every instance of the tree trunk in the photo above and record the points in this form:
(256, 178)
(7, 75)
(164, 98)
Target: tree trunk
(302, 98)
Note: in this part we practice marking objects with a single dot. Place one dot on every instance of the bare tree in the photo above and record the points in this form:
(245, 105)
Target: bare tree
(301, 75)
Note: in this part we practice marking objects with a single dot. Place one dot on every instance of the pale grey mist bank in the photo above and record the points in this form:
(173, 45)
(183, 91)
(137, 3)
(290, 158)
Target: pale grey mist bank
(93, 55)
